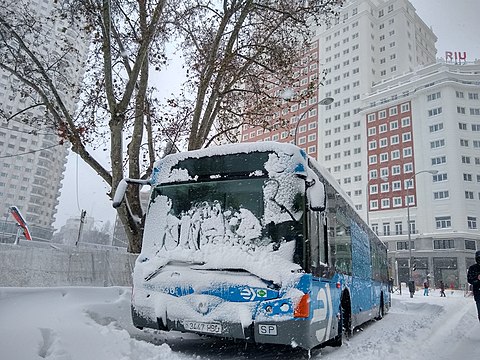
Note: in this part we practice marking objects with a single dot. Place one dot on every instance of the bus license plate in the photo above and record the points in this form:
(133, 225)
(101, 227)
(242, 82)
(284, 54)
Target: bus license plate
(208, 328)
(270, 330)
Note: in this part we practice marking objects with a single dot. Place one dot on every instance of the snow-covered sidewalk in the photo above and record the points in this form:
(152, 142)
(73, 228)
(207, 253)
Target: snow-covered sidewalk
(77, 323)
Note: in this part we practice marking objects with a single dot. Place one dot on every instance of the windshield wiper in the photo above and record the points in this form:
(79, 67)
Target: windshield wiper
(159, 270)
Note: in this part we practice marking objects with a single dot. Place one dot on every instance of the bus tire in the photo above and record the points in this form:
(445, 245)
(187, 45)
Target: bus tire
(346, 315)
(344, 322)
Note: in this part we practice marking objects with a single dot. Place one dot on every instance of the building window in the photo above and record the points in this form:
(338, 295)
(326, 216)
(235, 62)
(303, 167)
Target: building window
(408, 168)
(405, 107)
(398, 228)
(403, 245)
(437, 143)
(435, 111)
(386, 229)
(439, 160)
(470, 245)
(407, 152)
(465, 159)
(444, 194)
(397, 201)
(444, 244)
(443, 222)
(436, 127)
(433, 96)
(472, 222)
(386, 205)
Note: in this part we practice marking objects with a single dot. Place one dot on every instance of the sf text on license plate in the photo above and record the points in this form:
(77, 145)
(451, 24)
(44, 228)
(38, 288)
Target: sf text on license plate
(209, 328)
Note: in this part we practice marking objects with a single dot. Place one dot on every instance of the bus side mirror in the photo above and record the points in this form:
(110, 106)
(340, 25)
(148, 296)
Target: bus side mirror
(316, 195)
(122, 188)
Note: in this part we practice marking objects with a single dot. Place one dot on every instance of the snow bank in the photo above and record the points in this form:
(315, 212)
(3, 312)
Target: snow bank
(94, 323)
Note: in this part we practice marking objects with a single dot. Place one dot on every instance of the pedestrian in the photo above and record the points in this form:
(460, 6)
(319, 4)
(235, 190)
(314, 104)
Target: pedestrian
(442, 289)
(473, 277)
(425, 288)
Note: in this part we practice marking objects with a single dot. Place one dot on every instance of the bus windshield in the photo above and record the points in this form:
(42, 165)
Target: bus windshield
(242, 216)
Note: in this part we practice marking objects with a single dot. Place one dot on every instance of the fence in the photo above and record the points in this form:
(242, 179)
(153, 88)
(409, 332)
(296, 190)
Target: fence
(39, 264)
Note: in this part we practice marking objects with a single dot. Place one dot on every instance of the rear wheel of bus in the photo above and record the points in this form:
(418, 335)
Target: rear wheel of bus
(344, 322)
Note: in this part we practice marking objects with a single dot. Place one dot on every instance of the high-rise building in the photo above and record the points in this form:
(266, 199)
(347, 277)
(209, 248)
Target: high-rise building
(380, 139)
(371, 41)
(32, 160)
(423, 161)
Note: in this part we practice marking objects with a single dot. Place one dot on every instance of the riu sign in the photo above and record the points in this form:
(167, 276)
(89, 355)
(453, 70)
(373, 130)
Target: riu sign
(456, 57)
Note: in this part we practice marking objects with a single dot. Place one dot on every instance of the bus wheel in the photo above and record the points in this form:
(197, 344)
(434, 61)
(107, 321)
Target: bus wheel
(344, 322)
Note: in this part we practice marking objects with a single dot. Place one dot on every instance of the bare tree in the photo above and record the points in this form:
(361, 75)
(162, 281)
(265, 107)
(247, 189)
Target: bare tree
(235, 52)
(124, 39)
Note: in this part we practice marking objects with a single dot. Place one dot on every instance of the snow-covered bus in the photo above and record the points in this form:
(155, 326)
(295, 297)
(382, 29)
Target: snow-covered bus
(255, 241)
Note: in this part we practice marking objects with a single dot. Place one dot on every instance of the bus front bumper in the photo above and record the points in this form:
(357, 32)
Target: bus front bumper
(294, 332)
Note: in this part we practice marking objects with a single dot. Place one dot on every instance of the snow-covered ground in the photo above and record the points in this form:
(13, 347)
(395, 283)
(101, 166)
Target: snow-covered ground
(78, 323)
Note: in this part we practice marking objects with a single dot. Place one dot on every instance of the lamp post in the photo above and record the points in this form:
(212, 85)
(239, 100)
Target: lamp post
(384, 179)
(325, 101)
(433, 172)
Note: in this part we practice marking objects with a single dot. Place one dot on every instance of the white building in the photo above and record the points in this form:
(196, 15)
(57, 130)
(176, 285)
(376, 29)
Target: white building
(423, 135)
(371, 41)
(32, 160)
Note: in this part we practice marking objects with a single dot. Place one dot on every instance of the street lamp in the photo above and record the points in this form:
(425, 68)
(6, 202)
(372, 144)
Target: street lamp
(384, 179)
(325, 101)
(433, 172)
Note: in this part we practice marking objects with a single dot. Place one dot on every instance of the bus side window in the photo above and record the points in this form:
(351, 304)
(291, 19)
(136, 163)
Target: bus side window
(318, 253)
(343, 244)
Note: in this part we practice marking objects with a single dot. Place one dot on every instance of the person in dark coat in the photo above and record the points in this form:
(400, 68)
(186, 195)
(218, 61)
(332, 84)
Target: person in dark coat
(473, 277)
(425, 288)
(442, 289)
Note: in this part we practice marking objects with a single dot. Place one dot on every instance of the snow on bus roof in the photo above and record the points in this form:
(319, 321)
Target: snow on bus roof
(232, 149)
(249, 147)
(163, 166)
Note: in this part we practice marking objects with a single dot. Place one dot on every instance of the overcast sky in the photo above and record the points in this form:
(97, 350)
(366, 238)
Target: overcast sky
(456, 24)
